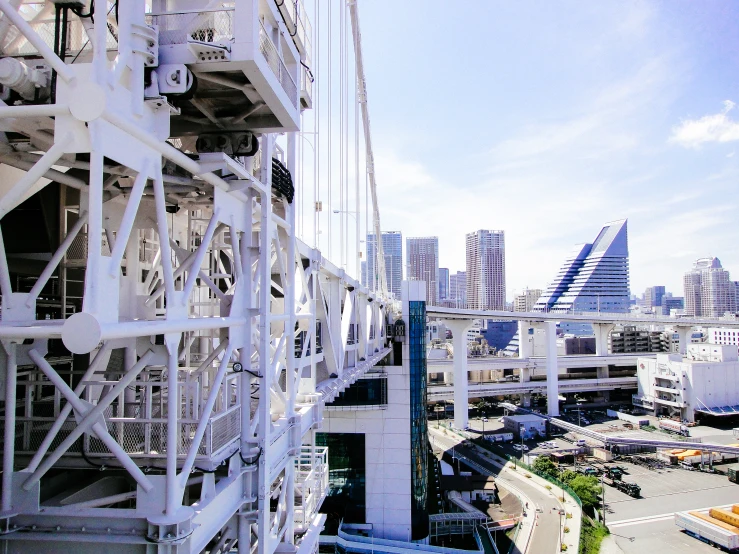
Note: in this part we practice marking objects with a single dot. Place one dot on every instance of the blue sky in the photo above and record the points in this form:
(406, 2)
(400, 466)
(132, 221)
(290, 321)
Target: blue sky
(547, 120)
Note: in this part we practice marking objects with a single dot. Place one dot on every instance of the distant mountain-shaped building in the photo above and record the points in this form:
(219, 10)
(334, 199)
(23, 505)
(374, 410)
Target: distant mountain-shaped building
(594, 278)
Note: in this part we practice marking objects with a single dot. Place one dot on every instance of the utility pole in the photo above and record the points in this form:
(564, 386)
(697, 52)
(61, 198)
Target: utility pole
(603, 498)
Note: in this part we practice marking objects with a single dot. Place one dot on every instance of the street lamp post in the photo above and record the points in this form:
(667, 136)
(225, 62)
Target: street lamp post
(603, 498)
(561, 482)
(521, 431)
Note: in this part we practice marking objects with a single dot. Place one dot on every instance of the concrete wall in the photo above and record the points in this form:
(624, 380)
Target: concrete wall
(388, 460)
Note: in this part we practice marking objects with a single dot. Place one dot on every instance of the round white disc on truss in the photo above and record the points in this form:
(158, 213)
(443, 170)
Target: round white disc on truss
(82, 333)
(87, 102)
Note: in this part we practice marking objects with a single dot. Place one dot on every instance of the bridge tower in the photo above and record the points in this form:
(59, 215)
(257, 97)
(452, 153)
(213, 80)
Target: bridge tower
(168, 342)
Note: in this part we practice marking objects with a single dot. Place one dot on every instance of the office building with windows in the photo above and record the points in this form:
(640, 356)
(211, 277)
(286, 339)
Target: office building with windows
(654, 296)
(709, 291)
(457, 290)
(392, 245)
(670, 303)
(526, 301)
(486, 270)
(594, 278)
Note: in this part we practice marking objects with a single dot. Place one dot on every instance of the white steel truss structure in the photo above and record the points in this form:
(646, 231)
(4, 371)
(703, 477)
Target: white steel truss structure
(201, 339)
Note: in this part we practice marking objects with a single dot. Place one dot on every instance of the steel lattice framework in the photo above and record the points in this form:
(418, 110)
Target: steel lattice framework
(206, 337)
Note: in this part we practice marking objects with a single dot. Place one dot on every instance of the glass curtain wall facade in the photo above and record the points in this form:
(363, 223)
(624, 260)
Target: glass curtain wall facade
(346, 478)
(419, 424)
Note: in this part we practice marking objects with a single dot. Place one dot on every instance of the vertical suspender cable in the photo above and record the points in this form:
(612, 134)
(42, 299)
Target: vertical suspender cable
(342, 227)
(356, 177)
(345, 47)
(317, 126)
(330, 123)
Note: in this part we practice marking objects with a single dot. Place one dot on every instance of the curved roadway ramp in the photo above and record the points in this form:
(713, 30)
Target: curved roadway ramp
(541, 529)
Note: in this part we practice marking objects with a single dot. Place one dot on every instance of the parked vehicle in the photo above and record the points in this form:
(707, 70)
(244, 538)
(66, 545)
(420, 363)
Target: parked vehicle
(632, 489)
(674, 427)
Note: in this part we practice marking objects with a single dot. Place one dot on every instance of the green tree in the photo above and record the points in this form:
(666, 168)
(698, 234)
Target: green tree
(545, 465)
(567, 476)
(587, 488)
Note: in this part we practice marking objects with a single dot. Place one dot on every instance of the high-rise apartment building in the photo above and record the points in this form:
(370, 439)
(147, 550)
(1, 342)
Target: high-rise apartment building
(457, 290)
(486, 270)
(653, 296)
(526, 301)
(392, 245)
(443, 283)
(422, 254)
(594, 278)
(709, 291)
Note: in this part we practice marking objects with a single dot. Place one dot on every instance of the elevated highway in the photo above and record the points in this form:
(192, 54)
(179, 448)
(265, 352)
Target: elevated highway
(446, 365)
(446, 392)
(460, 320)
(438, 312)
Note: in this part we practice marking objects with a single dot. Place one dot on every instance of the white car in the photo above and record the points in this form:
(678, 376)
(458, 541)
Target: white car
(518, 447)
(485, 420)
(525, 448)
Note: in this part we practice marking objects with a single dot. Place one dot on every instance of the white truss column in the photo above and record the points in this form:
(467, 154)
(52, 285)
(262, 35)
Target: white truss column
(264, 527)
(291, 375)
(459, 329)
(9, 431)
(552, 369)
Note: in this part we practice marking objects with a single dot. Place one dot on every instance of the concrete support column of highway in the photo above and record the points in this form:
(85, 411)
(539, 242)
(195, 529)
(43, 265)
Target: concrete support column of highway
(525, 339)
(525, 375)
(459, 329)
(601, 331)
(684, 334)
(552, 369)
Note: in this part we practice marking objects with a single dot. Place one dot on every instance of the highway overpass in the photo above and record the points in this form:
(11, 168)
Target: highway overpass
(446, 365)
(446, 392)
(439, 312)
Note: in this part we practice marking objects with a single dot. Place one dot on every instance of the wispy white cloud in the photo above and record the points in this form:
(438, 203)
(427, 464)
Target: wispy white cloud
(693, 133)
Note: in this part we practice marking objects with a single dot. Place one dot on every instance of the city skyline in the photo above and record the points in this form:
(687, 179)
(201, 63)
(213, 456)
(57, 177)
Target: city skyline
(639, 129)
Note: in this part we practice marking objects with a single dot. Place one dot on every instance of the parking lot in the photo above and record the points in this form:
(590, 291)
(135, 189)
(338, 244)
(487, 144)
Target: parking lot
(646, 523)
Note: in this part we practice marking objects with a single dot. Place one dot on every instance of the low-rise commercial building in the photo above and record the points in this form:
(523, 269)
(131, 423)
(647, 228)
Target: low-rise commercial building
(705, 381)
(530, 425)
